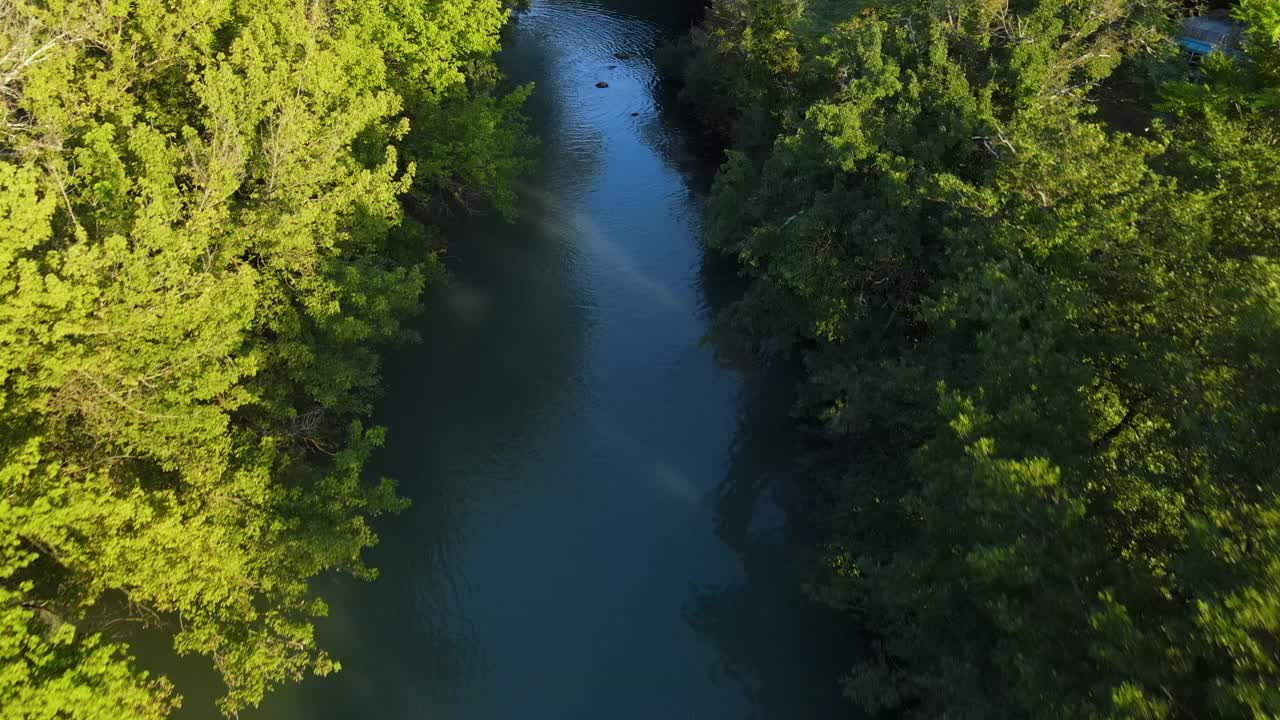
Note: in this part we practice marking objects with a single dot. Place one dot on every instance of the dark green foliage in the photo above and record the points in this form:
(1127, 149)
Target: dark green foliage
(1043, 352)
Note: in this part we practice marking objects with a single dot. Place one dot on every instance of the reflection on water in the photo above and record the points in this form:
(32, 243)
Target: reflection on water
(595, 531)
(781, 647)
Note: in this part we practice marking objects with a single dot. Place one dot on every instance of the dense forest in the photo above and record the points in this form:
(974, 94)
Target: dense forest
(202, 246)
(1031, 258)
(1028, 251)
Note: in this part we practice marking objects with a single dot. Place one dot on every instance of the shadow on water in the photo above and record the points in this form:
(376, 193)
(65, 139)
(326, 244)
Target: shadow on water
(786, 651)
(500, 361)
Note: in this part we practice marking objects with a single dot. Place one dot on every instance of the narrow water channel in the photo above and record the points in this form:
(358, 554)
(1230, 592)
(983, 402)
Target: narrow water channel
(594, 533)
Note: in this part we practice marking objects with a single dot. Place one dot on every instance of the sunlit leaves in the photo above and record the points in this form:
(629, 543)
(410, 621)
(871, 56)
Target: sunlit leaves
(196, 268)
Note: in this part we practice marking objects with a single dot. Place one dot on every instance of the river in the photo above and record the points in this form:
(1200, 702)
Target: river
(596, 531)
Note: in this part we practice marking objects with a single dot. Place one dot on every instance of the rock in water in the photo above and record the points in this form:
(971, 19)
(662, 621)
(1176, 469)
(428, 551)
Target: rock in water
(602, 84)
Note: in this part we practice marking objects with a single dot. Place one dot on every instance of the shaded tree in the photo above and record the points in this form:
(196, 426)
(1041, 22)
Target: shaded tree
(1038, 348)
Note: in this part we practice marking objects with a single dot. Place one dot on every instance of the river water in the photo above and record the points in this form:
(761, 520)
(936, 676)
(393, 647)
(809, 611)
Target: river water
(596, 531)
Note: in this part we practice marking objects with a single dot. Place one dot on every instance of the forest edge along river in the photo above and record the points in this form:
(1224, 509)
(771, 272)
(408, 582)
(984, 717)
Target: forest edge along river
(595, 529)
(1007, 275)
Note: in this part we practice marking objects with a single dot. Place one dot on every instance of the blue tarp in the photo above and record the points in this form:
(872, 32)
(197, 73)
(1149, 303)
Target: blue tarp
(1197, 47)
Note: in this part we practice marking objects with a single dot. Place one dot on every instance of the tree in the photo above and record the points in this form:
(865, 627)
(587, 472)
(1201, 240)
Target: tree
(1039, 350)
(201, 248)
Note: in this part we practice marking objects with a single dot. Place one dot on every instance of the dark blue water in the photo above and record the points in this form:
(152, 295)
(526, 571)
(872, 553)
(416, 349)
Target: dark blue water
(595, 531)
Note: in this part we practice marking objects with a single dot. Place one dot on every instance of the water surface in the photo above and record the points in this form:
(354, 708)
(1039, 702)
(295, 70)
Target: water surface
(594, 533)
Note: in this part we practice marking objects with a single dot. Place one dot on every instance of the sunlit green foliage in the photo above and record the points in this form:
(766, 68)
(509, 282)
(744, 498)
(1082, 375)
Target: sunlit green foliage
(1044, 352)
(201, 246)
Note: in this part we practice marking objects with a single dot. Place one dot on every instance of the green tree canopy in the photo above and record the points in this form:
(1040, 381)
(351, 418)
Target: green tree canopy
(201, 247)
(1043, 352)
